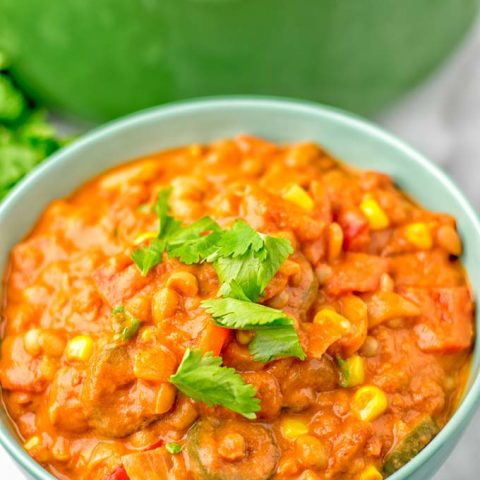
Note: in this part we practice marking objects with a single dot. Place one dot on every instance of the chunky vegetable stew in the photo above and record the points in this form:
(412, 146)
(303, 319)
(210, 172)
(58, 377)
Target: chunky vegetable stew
(239, 311)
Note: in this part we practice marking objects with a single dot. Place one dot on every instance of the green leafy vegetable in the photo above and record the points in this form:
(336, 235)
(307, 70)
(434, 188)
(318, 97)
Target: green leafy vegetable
(173, 448)
(130, 330)
(124, 323)
(26, 139)
(151, 255)
(167, 224)
(146, 258)
(204, 379)
(12, 103)
(191, 244)
(239, 239)
(249, 258)
(276, 342)
(275, 334)
(196, 242)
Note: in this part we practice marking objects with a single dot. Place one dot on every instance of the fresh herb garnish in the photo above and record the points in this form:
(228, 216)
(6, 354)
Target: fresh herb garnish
(196, 242)
(202, 378)
(147, 257)
(191, 244)
(125, 325)
(130, 330)
(275, 334)
(173, 448)
(26, 138)
(250, 258)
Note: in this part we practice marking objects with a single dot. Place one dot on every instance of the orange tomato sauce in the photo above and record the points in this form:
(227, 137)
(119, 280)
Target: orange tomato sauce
(373, 277)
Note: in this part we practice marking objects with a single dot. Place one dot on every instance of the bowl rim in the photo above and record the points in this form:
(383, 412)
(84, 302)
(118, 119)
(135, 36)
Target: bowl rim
(470, 400)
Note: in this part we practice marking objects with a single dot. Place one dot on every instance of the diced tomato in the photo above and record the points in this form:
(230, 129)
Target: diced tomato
(356, 230)
(445, 325)
(18, 369)
(118, 279)
(213, 338)
(118, 473)
(357, 272)
(431, 268)
(154, 445)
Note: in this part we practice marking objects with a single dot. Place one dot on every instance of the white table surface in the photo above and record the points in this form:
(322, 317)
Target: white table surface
(442, 119)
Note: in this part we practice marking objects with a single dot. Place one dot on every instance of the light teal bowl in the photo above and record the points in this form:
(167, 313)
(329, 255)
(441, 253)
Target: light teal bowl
(349, 138)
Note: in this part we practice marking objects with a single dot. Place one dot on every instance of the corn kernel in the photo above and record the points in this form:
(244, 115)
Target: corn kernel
(32, 442)
(370, 473)
(80, 348)
(352, 371)
(296, 194)
(419, 235)
(36, 448)
(31, 342)
(244, 337)
(143, 237)
(376, 216)
(292, 428)
(327, 315)
(369, 403)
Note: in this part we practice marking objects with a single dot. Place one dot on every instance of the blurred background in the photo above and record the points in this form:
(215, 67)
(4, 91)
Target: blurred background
(412, 66)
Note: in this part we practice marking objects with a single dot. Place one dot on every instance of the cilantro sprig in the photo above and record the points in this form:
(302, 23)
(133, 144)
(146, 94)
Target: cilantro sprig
(275, 334)
(250, 258)
(196, 242)
(202, 378)
(26, 138)
(191, 244)
(245, 261)
(125, 325)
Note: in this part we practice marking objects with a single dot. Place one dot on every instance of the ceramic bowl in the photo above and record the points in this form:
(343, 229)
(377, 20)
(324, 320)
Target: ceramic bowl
(347, 137)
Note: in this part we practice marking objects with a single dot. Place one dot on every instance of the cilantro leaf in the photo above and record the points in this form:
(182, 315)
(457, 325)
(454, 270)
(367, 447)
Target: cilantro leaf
(167, 224)
(239, 239)
(146, 258)
(12, 102)
(125, 325)
(234, 290)
(204, 379)
(196, 242)
(275, 332)
(276, 342)
(253, 269)
(26, 138)
(241, 314)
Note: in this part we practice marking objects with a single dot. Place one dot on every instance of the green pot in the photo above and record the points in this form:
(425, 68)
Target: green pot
(103, 59)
